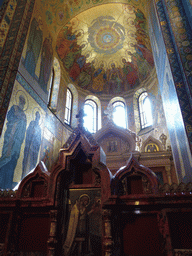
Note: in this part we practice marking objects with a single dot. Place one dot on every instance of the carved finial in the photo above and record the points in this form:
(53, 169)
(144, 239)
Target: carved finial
(80, 117)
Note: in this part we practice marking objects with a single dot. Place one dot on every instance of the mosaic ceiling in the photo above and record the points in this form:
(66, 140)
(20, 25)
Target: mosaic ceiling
(106, 53)
(104, 49)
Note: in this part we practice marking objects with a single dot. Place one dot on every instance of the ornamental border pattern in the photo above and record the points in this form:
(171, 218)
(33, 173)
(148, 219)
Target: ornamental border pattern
(3, 7)
(5, 20)
(183, 35)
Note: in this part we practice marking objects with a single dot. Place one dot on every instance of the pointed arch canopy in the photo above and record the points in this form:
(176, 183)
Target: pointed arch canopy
(133, 167)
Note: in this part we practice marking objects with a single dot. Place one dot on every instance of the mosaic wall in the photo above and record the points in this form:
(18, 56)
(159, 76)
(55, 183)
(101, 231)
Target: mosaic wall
(21, 137)
(188, 9)
(182, 86)
(31, 133)
(176, 128)
(182, 34)
(179, 140)
(37, 57)
(37, 61)
(12, 47)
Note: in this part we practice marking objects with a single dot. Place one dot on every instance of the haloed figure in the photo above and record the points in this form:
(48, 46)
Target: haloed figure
(78, 229)
(13, 139)
(32, 145)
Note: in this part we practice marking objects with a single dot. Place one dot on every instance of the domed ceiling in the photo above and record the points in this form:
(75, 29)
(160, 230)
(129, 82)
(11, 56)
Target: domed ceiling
(106, 51)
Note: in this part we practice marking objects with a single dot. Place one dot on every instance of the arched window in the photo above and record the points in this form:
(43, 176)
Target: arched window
(145, 112)
(90, 120)
(119, 114)
(74, 110)
(68, 107)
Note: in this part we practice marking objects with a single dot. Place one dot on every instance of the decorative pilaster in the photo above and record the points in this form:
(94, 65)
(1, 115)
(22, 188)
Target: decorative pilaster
(107, 238)
(168, 173)
(52, 241)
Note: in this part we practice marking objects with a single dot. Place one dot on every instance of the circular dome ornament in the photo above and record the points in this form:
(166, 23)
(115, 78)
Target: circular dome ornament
(107, 39)
(106, 35)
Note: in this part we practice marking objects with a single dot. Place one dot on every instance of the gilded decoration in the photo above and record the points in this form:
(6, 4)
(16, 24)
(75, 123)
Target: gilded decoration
(6, 20)
(151, 147)
(106, 48)
(57, 13)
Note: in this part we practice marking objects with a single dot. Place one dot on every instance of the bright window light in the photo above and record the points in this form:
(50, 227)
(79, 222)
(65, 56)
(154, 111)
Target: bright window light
(68, 107)
(119, 116)
(145, 110)
(90, 120)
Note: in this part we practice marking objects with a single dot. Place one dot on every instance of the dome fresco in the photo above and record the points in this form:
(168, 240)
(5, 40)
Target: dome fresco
(106, 48)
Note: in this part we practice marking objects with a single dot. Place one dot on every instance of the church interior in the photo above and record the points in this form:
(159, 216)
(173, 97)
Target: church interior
(96, 127)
